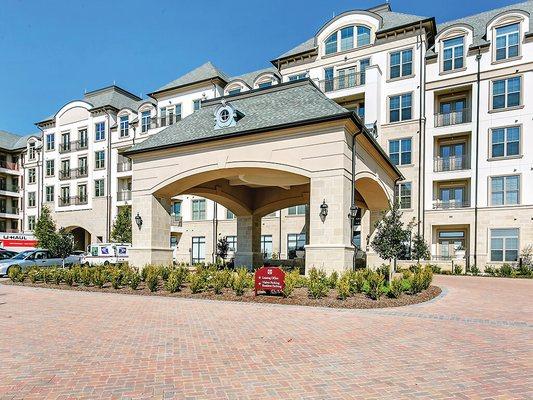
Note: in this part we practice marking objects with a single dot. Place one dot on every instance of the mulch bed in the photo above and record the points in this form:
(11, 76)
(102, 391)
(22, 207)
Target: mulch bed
(298, 297)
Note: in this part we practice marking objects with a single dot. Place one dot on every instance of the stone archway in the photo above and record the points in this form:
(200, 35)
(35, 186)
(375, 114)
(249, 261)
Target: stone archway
(81, 236)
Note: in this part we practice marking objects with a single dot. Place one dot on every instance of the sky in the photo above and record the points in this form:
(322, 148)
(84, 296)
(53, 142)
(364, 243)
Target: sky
(52, 51)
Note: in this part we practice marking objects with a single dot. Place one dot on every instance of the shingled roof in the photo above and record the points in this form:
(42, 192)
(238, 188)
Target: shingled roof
(202, 73)
(250, 77)
(11, 141)
(113, 96)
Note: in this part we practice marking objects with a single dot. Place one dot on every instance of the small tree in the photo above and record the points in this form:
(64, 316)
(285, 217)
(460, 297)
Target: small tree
(45, 229)
(390, 237)
(61, 245)
(420, 249)
(222, 249)
(121, 230)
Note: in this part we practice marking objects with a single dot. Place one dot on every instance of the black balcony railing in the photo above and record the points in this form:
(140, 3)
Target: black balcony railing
(65, 201)
(124, 166)
(124, 195)
(82, 172)
(454, 163)
(81, 144)
(450, 204)
(453, 118)
(80, 200)
(342, 82)
(8, 188)
(9, 210)
(66, 147)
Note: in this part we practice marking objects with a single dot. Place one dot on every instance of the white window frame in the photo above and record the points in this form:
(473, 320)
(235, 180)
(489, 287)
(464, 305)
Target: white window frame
(98, 161)
(124, 126)
(402, 65)
(399, 195)
(504, 248)
(506, 36)
(454, 50)
(400, 151)
(504, 190)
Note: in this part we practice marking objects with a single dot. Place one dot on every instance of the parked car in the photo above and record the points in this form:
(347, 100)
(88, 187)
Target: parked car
(7, 254)
(35, 258)
(106, 254)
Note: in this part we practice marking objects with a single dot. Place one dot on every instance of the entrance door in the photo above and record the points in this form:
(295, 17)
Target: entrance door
(452, 156)
(198, 250)
(453, 112)
(449, 242)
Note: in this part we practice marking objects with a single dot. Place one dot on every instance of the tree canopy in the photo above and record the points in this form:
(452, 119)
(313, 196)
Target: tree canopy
(121, 230)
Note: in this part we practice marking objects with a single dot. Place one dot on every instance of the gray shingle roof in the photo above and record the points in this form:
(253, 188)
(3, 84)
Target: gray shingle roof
(250, 77)
(390, 18)
(11, 141)
(111, 96)
(202, 73)
(278, 105)
(479, 21)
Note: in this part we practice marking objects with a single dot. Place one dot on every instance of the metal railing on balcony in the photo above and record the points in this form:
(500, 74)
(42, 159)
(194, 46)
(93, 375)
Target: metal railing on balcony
(81, 144)
(124, 166)
(124, 195)
(74, 200)
(80, 200)
(450, 204)
(9, 165)
(65, 174)
(453, 118)
(176, 220)
(66, 147)
(454, 163)
(342, 82)
(10, 210)
(8, 188)
(81, 172)
(64, 201)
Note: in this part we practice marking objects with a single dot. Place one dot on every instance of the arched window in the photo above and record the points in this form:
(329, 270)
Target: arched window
(363, 36)
(331, 44)
(347, 38)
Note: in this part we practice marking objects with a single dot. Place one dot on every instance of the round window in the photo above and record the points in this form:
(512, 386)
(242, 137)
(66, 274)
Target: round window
(224, 115)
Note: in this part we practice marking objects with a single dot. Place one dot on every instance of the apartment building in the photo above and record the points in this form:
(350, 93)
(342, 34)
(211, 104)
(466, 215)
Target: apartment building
(446, 102)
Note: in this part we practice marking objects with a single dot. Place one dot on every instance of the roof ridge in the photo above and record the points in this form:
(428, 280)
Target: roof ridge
(493, 10)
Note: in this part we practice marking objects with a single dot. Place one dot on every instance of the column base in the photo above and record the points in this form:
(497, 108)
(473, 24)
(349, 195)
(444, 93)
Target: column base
(139, 257)
(248, 259)
(329, 257)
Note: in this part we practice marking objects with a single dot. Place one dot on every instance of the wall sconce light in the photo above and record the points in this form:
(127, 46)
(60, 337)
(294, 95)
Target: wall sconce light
(353, 212)
(138, 220)
(323, 210)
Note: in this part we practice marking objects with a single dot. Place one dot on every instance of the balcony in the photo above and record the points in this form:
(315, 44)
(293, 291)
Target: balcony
(65, 174)
(81, 144)
(124, 195)
(81, 172)
(10, 210)
(124, 166)
(74, 200)
(450, 204)
(453, 118)
(9, 188)
(453, 163)
(342, 82)
(66, 147)
(9, 165)
(176, 220)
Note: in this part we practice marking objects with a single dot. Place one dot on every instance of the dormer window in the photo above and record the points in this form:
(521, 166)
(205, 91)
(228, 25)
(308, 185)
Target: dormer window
(346, 38)
(234, 91)
(124, 126)
(31, 151)
(507, 41)
(264, 84)
(453, 53)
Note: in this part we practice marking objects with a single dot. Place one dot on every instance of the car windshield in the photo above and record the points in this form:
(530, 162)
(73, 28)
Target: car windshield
(23, 255)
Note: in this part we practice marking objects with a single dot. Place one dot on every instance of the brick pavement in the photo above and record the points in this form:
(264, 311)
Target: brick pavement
(475, 341)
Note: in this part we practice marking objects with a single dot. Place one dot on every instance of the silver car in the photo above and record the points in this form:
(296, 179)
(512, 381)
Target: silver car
(35, 258)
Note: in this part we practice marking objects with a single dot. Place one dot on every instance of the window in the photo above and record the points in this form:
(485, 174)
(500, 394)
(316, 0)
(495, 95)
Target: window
(49, 194)
(230, 215)
(329, 82)
(505, 190)
(232, 243)
(505, 142)
(198, 249)
(297, 210)
(31, 222)
(506, 93)
(197, 105)
(504, 245)
(295, 242)
(65, 169)
(50, 141)
(453, 54)
(297, 77)
(31, 199)
(347, 38)
(65, 142)
(176, 208)
(198, 210)
(234, 91)
(400, 151)
(100, 131)
(99, 159)
(31, 175)
(363, 65)
(145, 121)
(124, 125)
(31, 151)
(331, 44)
(82, 194)
(507, 41)
(163, 116)
(401, 63)
(266, 245)
(82, 166)
(363, 36)
(50, 168)
(400, 107)
(264, 84)
(403, 195)
(99, 190)
(83, 139)
(178, 112)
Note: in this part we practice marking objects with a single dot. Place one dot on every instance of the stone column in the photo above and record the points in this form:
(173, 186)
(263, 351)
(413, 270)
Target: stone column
(151, 242)
(329, 246)
(248, 241)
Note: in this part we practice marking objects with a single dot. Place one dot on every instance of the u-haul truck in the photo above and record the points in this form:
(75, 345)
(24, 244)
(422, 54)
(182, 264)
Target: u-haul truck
(17, 241)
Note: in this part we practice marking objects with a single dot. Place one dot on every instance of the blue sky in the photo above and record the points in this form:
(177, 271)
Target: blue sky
(52, 51)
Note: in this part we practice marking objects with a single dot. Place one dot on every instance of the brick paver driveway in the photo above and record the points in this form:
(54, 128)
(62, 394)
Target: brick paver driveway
(475, 341)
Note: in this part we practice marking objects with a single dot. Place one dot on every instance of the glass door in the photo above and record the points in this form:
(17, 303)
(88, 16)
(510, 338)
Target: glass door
(453, 112)
(452, 156)
(452, 197)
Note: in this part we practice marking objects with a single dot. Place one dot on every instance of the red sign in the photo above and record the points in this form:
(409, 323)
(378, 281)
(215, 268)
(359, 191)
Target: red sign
(17, 241)
(269, 279)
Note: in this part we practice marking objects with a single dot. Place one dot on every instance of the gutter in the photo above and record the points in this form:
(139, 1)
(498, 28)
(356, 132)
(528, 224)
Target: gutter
(478, 79)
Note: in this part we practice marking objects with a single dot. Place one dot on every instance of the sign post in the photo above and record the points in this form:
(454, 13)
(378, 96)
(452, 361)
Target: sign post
(269, 279)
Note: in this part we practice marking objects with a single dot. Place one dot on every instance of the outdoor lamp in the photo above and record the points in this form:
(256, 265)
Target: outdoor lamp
(353, 211)
(323, 210)
(138, 220)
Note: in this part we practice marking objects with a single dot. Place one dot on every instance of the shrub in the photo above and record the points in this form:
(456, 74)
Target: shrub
(34, 274)
(524, 269)
(318, 285)
(85, 276)
(57, 275)
(343, 286)
(68, 277)
(427, 277)
(357, 281)
(506, 270)
(152, 281)
(16, 274)
(421, 280)
(415, 268)
(165, 272)
(218, 281)
(435, 268)
(115, 276)
(457, 270)
(384, 269)
(396, 288)
(333, 279)
(174, 281)
(375, 285)
(145, 271)
(226, 276)
(240, 281)
(406, 274)
(197, 282)
(75, 272)
(474, 270)
(99, 277)
(134, 279)
(291, 282)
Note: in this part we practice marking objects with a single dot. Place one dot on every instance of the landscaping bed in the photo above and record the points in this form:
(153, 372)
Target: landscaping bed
(363, 289)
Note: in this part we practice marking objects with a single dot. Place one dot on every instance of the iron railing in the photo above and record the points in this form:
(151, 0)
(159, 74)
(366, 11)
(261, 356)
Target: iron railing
(342, 82)
(453, 118)
(10, 210)
(450, 204)
(124, 195)
(453, 163)
(8, 188)
(176, 220)
(124, 166)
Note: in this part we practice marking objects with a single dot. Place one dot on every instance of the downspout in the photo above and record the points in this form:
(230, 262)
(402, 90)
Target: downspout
(353, 207)
(421, 137)
(108, 198)
(22, 184)
(215, 230)
(478, 80)
(41, 184)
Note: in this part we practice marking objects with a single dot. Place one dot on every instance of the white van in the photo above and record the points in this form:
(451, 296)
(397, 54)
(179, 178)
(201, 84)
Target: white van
(106, 253)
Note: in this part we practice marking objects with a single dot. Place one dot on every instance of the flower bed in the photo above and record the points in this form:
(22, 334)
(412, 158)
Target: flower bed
(361, 289)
